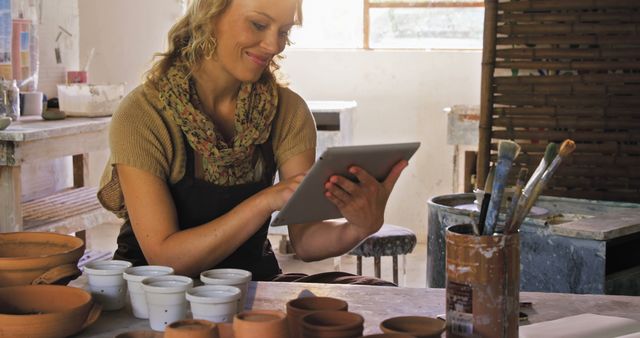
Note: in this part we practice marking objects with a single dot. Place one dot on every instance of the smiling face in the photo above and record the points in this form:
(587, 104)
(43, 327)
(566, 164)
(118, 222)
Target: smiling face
(249, 34)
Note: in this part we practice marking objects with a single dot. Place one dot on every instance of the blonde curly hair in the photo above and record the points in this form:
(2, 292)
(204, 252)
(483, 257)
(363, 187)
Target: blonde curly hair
(193, 30)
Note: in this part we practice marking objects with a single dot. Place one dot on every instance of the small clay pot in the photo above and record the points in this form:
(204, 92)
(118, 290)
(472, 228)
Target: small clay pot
(417, 326)
(225, 330)
(45, 311)
(140, 334)
(191, 328)
(388, 335)
(299, 307)
(268, 323)
(38, 258)
(334, 324)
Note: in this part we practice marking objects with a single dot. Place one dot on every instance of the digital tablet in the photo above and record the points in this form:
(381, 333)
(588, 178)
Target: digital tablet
(309, 204)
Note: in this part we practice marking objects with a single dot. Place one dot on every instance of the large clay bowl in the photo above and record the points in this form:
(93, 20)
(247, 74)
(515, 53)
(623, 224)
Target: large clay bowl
(38, 258)
(45, 311)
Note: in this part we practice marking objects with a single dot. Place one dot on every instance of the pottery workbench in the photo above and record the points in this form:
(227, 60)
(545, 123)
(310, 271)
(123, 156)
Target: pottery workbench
(32, 139)
(377, 303)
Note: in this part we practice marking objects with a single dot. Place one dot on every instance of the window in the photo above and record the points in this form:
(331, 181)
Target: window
(414, 24)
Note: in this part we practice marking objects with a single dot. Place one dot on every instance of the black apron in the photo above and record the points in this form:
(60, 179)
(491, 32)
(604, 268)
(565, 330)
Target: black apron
(198, 201)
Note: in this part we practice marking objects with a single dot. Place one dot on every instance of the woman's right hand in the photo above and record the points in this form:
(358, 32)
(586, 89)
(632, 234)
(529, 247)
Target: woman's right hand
(277, 195)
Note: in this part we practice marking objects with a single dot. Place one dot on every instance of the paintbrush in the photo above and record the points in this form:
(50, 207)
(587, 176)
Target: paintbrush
(549, 154)
(566, 148)
(511, 211)
(488, 183)
(507, 152)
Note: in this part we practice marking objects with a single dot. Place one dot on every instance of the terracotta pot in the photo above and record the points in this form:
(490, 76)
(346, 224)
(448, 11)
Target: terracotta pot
(140, 334)
(332, 324)
(225, 330)
(45, 311)
(417, 326)
(191, 328)
(297, 308)
(268, 323)
(38, 258)
(388, 335)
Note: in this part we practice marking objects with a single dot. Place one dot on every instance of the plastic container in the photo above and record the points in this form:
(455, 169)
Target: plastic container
(90, 100)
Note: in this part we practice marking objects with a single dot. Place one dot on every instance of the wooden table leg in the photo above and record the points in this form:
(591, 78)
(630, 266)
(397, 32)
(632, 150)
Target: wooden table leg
(10, 199)
(80, 170)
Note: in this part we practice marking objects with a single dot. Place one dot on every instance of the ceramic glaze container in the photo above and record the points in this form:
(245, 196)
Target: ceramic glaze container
(232, 277)
(166, 299)
(106, 282)
(45, 311)
(38, 258)
(134, 276)
(297, 308)
(215, 303)
(191, 328)
(260, 323)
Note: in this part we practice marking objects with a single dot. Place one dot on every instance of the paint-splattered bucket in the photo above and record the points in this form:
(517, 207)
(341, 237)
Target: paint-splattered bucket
(483, 279)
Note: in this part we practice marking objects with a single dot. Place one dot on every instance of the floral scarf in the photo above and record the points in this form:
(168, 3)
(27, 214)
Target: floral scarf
(223, 164)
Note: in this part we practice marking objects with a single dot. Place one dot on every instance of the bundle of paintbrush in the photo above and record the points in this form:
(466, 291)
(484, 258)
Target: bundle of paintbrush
(507, 152)
(537, 182)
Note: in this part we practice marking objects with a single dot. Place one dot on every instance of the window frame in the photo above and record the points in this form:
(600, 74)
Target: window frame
(367, 5)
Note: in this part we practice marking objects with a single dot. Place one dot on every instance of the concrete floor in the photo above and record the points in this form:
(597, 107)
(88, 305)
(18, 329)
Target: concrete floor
(103, 238)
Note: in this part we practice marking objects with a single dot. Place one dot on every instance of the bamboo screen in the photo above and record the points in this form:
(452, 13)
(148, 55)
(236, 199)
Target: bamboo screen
(556, 69)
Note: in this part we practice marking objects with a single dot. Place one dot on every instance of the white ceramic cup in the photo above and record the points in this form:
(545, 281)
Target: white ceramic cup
(32, 103)
(215, 303)
(134, 276)
(232, 277)
(166, 299)
(106, 283)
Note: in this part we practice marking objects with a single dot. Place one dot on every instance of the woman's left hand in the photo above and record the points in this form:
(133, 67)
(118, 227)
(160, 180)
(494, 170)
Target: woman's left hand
(362, 203)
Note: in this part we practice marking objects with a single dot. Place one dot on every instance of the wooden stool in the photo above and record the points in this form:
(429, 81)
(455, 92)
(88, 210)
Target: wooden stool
(390, 240)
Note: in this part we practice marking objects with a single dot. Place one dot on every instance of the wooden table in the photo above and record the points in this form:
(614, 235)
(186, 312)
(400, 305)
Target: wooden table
(378, 303)
(32, 138)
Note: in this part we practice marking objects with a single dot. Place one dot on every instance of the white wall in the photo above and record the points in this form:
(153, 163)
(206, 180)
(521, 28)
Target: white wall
(400, 96)
(125, 35)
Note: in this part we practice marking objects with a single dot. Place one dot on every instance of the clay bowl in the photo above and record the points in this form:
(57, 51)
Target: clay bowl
(417, 326)
(225, 330)
(388, 335)
(141, 334)
(38, 258)
(191, 328)
(45, 311)
(332, 324)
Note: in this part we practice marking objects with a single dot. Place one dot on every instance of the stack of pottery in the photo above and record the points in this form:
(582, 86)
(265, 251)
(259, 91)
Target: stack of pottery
(38, 258)
(45, 311)
(332, 324)
(261, 323)
(299, 307)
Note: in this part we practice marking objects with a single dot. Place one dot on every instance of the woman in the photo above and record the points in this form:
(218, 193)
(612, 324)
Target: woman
(195, 149)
